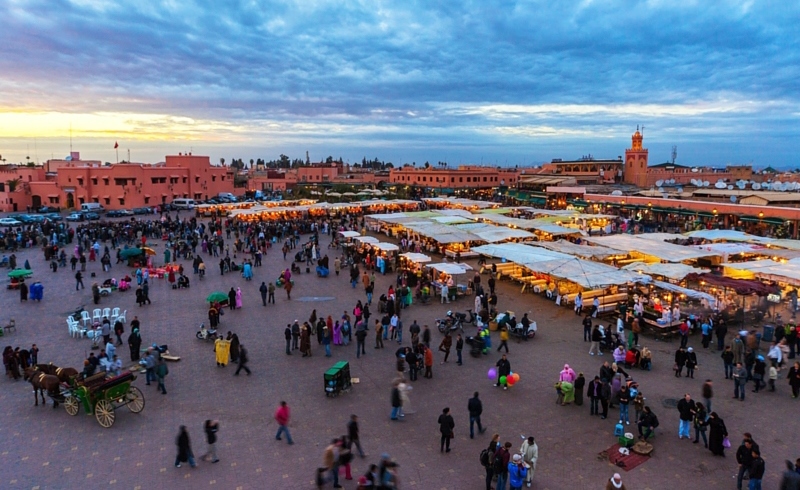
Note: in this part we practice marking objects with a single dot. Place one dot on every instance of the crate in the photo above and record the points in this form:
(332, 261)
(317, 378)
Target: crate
(625, 441)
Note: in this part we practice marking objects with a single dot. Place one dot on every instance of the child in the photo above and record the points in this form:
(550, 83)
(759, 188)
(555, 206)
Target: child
(773, 375)
(560, 398)
(638, 405)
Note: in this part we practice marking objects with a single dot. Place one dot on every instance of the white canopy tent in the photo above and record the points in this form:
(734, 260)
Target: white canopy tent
(386, 247)
(788, 271)
(658, 249)
(586, 273)
(367, 239)
(350, 234)
(493, 234)
(690, 293)
(416, 258)
(676, 271)
(728, 236)
(450, 268)
(584, 251)
(519, 253)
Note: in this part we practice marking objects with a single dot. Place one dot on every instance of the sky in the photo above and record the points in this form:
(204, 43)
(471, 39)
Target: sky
(494, 82)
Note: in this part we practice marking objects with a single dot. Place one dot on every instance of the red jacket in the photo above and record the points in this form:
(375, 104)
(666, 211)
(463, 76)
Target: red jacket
(282, 415)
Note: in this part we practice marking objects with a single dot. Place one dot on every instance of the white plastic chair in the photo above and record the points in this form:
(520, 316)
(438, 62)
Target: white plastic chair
(72, 327)
(122, 317)
(114, 313)
(96, 315)
(85, 317)
(107, 313)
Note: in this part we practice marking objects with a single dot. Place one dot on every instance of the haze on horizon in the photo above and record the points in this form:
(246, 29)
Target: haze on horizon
(505, 82)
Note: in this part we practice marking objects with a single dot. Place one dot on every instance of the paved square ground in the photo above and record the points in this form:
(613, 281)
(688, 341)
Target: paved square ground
(46, 448)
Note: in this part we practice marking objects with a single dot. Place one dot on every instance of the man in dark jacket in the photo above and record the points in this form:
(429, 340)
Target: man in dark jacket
(587, 328)
(594, 392)
(353, 434)
(757, 468)
(686, 410)
(744, 456)
(295, 335)
(503, 369)
(500, 463)
(263, 291)
(242, 361)
(648, 421)
(287, 334)
(446, 426)
(397, 402)
(680, 361)
(606, 373)
(475, 408)
(211, 427)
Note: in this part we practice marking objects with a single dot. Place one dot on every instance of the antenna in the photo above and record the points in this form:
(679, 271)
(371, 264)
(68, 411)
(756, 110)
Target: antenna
(642, 129)
(674, 153)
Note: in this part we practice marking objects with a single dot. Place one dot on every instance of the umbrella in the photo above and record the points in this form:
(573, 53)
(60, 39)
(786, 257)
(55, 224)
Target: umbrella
(149, 251)
(130, 252)
(217, 296)
(17, 273)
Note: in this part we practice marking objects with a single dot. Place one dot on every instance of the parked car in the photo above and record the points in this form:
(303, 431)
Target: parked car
(139, 211)
(47, 210)
(10, 222)
(92, 216)
(53, 216)
(75, 217)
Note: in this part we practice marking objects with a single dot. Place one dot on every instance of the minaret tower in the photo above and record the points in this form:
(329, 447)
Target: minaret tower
(635, 171)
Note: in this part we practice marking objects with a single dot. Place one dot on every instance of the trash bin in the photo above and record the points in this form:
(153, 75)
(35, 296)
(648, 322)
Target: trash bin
(769, 333)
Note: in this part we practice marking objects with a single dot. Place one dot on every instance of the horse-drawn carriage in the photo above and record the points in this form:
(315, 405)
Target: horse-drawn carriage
(101, 396)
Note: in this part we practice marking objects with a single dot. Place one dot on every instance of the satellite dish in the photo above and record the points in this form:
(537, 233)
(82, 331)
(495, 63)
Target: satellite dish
(68, 158)
(782, 187)
(659, 183)
(733, 199)
(665, 195)
(740, 184)
(695, 170)
(680, 189)
(720, 185)
(756, 186)
(661, 189)
(706, 183)
(730, 187)
(616, 193)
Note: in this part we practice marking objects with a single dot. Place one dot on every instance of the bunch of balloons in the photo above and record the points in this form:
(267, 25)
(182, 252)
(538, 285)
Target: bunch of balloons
(509, 380)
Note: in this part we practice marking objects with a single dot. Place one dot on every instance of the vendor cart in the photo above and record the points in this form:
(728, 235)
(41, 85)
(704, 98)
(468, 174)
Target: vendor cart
(337, 379)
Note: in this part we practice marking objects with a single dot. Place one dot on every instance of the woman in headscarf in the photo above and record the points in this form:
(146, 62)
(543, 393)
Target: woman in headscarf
(135, 344)
(305, 340)
(567, 374)
(238, 298)
(717, 434)
(234, 349)
(337, 333)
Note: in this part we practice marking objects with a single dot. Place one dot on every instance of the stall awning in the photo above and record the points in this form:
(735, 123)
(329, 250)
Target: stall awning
(366, 239)
(415, 257)
(689, 293)
(349, 234)
(655, 248)
(586, 273)
(741, 286)
(386, 247)
(450, 268)
(675, 271)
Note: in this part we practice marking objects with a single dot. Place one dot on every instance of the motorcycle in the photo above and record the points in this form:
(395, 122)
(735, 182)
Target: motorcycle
(463, 318)
(450, 324)
(209, 334)
(521, 332)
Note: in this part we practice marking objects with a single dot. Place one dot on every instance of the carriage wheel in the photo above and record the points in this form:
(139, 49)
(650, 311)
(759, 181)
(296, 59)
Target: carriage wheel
(135, 400)
(104, 413)
(71, 405)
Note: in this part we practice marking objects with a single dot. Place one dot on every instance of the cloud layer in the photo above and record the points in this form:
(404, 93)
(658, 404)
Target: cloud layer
(523, 81)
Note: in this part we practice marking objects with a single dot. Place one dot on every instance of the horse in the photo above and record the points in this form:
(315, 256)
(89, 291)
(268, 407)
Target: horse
(42, 382)
(64, 374)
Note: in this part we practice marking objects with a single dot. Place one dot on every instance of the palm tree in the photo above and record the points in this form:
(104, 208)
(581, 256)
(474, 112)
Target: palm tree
(222, 161)
(12, 184)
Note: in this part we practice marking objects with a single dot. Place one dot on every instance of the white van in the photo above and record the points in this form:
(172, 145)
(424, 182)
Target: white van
(183, 203)
(93, 207)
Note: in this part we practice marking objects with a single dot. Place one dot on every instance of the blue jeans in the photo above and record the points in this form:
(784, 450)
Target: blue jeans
(698, 433)
(369, 298)
(327, 350)
(754, 484)
(386, 332)
(502, 479)
(707, 402)
(458, 353)
(399, 335)
(623, 413)
(284, 429)
(395, 412)
(683, 429)
(472, 422)
(728, 371)
(738, 389)
(193, 464)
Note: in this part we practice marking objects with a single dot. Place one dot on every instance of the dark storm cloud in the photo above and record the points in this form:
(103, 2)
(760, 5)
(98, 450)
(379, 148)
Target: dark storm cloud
(435, 73)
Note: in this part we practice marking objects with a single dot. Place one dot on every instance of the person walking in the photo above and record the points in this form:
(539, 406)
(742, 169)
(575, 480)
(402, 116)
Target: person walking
(161, 372)
(757, 468)
(361, 338)
(184, 449)
(295, 335)
(503, 339)
(587, 328)
(594, 392)
(596, 338)
(428, 361)
(446, 345)
(287, 334)
(354, 434)
(716, 434)
(744, 456)
(263, 290)
(282, 418)
(446, 426)
(397, 401)
(475, 408)
(459, 349)
(727, 360)
(708, 394)
(700, 424)
(379, 328)
(242, 361)
(615, 483)
(530, 455)
(271, 293)
(211, 428)
(79, 281)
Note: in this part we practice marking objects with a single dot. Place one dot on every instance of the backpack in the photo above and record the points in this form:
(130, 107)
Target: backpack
(655, 421)
(485, 457)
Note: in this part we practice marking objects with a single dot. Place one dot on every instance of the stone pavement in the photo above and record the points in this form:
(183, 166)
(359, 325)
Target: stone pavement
(46, 448)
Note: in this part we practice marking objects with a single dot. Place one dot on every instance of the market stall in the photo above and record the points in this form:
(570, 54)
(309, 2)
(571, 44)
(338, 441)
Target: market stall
(449, 273)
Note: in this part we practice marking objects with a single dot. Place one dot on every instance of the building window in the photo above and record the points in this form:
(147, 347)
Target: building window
(147, 200)
(80, 182)
(121, 201)
(468, 179)
(484, 179)
(2, 187)
(95, 199)
(197, 195)
(213, 178)
(105, 181)
(197, 179)
(120, 181)
(183, 180)
(461, 179)
(81, 200)
(94, 180)
(173, 180)
(452, 179)
(107, 201)
(54, 200)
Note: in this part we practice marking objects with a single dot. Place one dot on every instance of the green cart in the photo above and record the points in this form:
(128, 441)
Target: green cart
(337, 379)
(101, 396)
